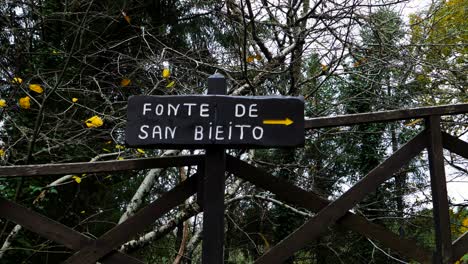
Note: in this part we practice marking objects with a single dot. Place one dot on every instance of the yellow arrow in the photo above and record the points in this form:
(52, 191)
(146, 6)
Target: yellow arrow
(285, 121)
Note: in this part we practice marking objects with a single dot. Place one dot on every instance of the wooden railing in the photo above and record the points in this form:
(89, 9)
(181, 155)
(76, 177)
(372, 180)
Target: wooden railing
(328, 213)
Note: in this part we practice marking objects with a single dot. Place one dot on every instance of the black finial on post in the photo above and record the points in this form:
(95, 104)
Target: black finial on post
(217, 84)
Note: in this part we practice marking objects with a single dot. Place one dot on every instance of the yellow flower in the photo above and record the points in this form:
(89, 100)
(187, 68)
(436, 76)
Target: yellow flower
(119, 146)
(250, 59)
(141, 151)
(464, 226)
(324, 67)
(258, 57)
(74, 100)
(125, 82)
(2, 153)
(36, 88)
(166, 73)
(2, 103)
(94, 121)
(76, 178)
(17, 80)
(169, 85)
(25, 102)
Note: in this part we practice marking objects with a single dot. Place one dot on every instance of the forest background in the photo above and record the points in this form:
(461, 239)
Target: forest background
(67, 68)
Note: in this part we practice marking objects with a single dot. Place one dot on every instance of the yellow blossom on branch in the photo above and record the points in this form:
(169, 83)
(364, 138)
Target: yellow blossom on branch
(36, 88)
(166, 73)
(74, 100)
(17, 80)
(140, 151)
(3, 103)
(25, 102)
(119, 146)
(76, 178)
(94, 121)
(169, 85)
(125, 82)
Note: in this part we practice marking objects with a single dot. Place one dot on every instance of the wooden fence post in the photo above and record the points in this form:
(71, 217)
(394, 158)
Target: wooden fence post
(213, 190)
(443, 253)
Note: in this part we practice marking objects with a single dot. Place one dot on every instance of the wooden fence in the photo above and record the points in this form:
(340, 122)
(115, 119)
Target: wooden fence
(328, 213)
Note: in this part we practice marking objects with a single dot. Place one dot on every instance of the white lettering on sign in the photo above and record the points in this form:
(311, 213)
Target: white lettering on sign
(204, 108)
(174, 109)
(227, 132)
(189, 105)
(240, 110)
(145, 108)
(198, 133)
(242, 130)
(259, 131)
(142, 130)
(219, 132)
(232, 131)
(159, 109)
(252, 110)
(158, 132)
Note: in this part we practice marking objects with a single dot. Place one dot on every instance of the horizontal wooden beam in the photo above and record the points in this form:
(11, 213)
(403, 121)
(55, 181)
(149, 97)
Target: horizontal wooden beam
(384, 116)
(137, 223)
(55, 231)
(99, 166)
(294, 195)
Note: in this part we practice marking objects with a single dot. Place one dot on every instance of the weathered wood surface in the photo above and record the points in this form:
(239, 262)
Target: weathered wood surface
(295, 195)
(440, 208)
(385, 116)
(99, 166)
(460, 247)
(455, 145)
(55, 231)
(213, 191)
(329, 215)
(137, 223)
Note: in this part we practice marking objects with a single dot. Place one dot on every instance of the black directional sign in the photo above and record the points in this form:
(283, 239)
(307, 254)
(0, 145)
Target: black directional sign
(230, 121)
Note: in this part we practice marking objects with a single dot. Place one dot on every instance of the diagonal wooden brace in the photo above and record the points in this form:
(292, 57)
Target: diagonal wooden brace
(338, 208)
(292, 194)
(460, 247)
(55, 231)
(455, 145)
(137, 223)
